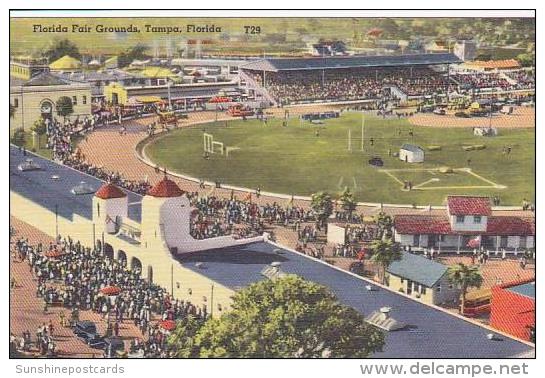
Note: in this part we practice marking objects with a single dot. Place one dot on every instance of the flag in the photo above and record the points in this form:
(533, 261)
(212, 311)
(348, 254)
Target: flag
(475, 242)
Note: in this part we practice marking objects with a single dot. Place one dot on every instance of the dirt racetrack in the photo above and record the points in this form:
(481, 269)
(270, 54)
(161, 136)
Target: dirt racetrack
(521, 117)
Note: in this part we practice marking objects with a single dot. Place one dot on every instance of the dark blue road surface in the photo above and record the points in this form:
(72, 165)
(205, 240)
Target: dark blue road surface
(39, 187)
(431, 333)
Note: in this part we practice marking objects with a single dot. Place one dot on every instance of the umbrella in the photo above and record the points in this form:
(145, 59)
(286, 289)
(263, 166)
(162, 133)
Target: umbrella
(168, 325)
(110, 290)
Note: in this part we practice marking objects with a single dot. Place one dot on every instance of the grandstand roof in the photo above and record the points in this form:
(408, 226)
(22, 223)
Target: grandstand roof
(430, 332)
(314, 63)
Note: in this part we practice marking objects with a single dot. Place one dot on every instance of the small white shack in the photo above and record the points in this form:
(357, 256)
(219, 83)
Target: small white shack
(410, 153)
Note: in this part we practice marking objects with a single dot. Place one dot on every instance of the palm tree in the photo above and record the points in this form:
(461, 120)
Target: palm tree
(322, 205)
(385, 252)
(384, 223)
(347, 201)
(464, 276)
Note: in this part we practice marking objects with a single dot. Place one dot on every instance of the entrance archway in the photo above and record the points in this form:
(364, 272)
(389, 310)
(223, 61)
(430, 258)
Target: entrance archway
(46, 109)
(122, 257)
(136, 264)
(108, 251)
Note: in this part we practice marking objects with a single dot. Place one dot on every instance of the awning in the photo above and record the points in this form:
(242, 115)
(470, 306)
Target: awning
(148, 99)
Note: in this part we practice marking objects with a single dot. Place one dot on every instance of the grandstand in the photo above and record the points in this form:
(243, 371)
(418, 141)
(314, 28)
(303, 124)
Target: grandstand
(364, 78)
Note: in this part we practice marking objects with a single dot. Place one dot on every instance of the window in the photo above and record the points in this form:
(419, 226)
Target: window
(423, 290)
(74, 100)
(84, 100)
(416, 240)
(460, 219)
(441, 238)
(16, 102)
(522, 241)
(438, 288)
(476, 219)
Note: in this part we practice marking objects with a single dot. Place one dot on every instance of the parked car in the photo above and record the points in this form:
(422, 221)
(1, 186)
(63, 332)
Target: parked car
(85, 330)
(462, 115)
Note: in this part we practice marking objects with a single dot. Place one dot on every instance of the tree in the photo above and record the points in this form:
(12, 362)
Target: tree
(61, 48)
(322, 205)
(385, 252)
(288, 317)
(347, 201)
(384, 223)
(465, 277)
(182, 340)
(135, 52)
(40, 129)
(18, 137)
(64, 106)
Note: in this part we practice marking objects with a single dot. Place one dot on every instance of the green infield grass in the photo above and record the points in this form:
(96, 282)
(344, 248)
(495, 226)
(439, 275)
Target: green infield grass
(304, 158)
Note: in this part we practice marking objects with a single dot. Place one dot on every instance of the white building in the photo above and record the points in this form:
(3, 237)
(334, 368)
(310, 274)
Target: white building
(410, 153)
(467, 224)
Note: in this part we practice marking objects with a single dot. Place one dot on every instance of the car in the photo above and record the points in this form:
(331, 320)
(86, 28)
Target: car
(29, 165)
(462, 115)
(113, 347)
(85, 330)
(439, 111)
(376, 162)
(82, 188)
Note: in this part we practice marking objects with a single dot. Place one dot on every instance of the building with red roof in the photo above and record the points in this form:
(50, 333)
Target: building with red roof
(513, 309)
(468, 222)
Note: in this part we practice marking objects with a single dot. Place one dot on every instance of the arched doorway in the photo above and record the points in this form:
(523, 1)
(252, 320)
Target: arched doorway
(122, 257)
(136, 264)
(46, 109)
(108, 251)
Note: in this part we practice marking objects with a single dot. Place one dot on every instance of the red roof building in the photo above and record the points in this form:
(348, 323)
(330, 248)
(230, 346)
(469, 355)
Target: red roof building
(468, 223)
(165, 188)
(513, 309)
(110, 191)
(440, 225)
(464, 205)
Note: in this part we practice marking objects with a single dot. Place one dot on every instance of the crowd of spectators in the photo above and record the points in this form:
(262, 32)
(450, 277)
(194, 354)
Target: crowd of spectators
(60, 137)
(366, 83)
(74, 276)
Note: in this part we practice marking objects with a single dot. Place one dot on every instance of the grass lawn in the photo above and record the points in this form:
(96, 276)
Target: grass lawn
(29, 145)
(294, 160)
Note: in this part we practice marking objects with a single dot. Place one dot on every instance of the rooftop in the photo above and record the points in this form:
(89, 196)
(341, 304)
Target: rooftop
(110, 191)
(57, 181)
(314, 63)
(466, 205)
(440, 225)
(430, 332)
(418, 269)
(411, 147)
(528, 289)
(165, 188)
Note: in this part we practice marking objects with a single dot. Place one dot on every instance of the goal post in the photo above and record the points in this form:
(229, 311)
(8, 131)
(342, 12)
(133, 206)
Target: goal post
(208, 143)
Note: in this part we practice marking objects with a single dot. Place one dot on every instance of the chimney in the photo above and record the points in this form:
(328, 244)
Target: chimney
(385, 312)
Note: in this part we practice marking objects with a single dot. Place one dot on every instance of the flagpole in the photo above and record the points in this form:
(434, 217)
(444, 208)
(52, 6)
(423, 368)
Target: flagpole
(362, 127)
